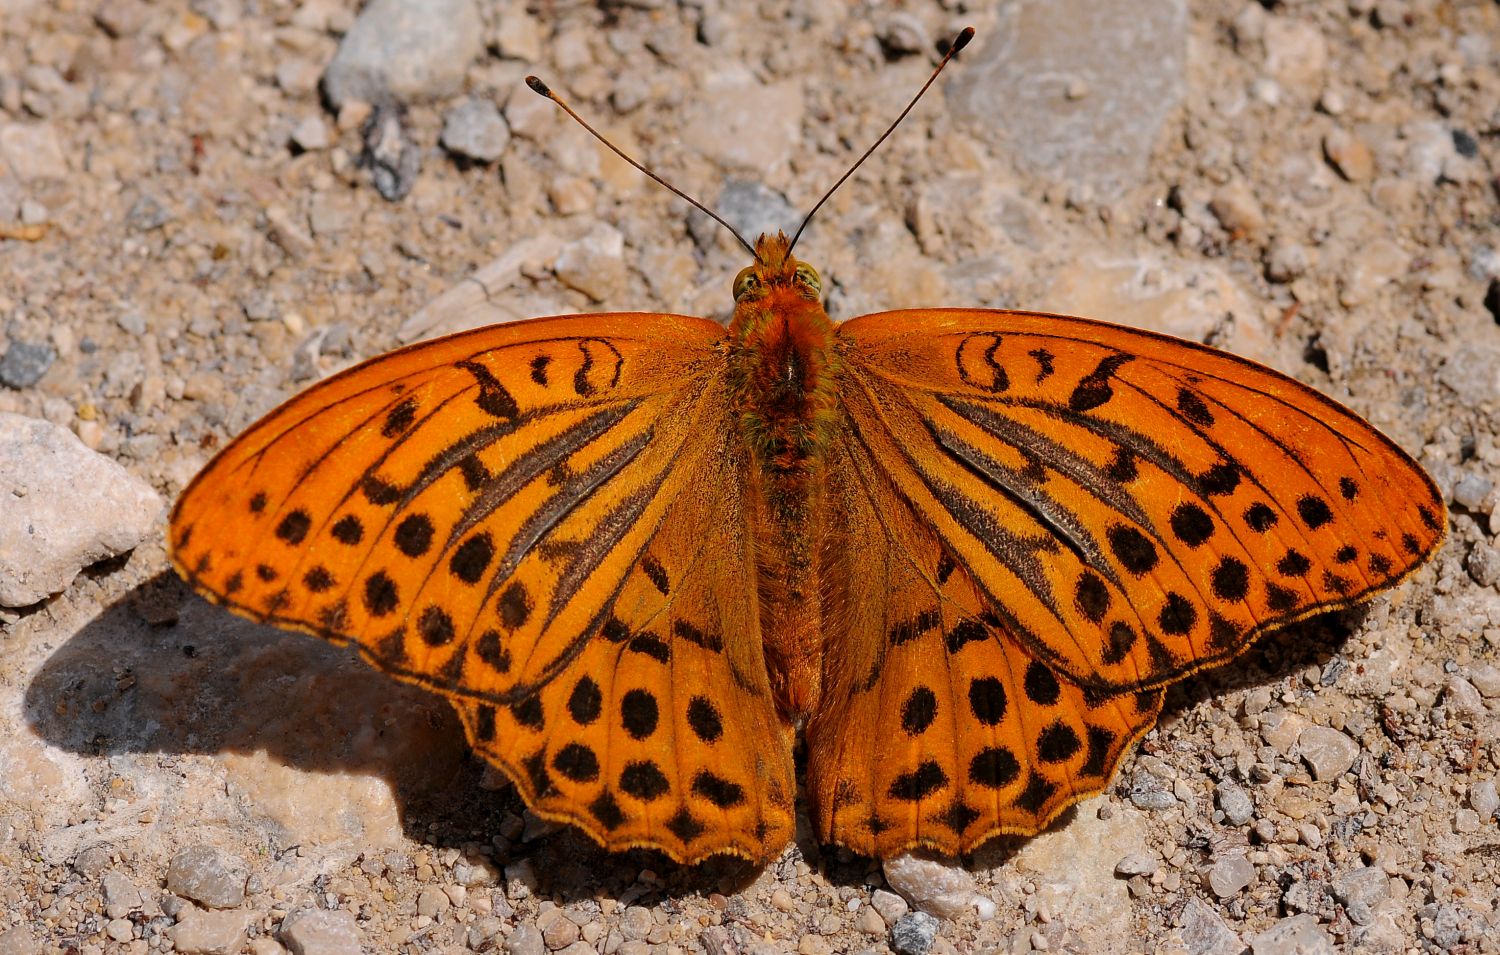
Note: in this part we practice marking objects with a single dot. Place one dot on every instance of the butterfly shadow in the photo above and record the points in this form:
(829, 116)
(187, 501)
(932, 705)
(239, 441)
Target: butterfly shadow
(163, 673)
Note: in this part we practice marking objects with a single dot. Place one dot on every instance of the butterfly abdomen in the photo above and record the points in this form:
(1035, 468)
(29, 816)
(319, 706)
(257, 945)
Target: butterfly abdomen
(783, 378)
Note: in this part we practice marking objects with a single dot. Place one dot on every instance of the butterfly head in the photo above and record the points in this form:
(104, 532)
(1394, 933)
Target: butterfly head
(774, 269)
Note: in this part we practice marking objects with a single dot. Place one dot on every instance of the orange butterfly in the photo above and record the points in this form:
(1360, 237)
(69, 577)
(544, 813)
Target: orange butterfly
(960, 550)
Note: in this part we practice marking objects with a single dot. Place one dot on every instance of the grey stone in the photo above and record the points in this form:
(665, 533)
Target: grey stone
(147, 213)
(1327, 752)
(121, 896)
(1471, 490)
(1297, 935)
(1148, 792)
(93, 860)
(1204, 931)
(1021, 91)
(394, 159)
(19, 941)
(1285, 261)
(1234, 802)
(1486, 679)
(24, 364)
(1360, 890)
(1447, 925)
(1483, 798)
(914, 933)
(321, 932)
(902, 34)
(207, 875)
(1483, 564)
(65, 507)
(132, 323)
(474, 129)
(751, 207)
(404, 50)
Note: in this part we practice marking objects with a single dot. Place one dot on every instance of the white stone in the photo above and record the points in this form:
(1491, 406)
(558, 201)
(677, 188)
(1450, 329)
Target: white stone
(321, 932)
(1327, 752)
(941, 888)
(1298, 935)
(62, 507)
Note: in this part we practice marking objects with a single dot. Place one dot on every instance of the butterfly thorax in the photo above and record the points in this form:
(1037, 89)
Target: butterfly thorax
(782, 372)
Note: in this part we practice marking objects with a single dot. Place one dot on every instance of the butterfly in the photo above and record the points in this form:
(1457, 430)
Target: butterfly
(959, 552)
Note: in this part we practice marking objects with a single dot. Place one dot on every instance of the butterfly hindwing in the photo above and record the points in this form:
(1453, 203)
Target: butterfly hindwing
(661, 733)
(500, 514)
(1132, 507)
(939, 728)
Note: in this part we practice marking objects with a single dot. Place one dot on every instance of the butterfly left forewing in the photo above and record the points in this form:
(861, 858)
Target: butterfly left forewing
(477, 515)
(1131, 506)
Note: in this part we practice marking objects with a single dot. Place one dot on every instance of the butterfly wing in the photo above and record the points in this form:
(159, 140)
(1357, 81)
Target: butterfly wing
(1119, 508)
(513, 517)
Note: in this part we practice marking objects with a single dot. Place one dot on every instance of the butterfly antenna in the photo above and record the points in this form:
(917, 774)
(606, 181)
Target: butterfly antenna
(542, 89)
(959, 42)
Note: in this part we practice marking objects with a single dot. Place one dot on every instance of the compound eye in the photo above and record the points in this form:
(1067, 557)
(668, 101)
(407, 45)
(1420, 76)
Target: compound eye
(808, 276)
(745, 281)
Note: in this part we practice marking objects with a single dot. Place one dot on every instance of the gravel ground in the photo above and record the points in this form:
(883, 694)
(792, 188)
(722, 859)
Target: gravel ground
(200, 213)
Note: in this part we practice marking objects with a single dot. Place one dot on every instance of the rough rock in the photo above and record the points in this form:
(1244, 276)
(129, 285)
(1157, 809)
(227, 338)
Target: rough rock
(65, 507)
(1297, 935)
(1076, 90)
(321, 932)
(943, 889)
(404, 50)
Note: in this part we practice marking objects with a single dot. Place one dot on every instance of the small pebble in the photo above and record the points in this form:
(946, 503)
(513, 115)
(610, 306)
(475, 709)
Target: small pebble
(474, 129)
(1297, 935)
(24, 364)
(1349, 155)
(311, 134)
(525, 940)
(208, 875)
(914, 934)
(321, 932)
(404, 50)
(1136, 863)
(1230, 875)
(1234, 802)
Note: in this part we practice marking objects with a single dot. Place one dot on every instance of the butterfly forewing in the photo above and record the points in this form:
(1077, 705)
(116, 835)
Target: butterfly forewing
(1131, 507)
(499, 515)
